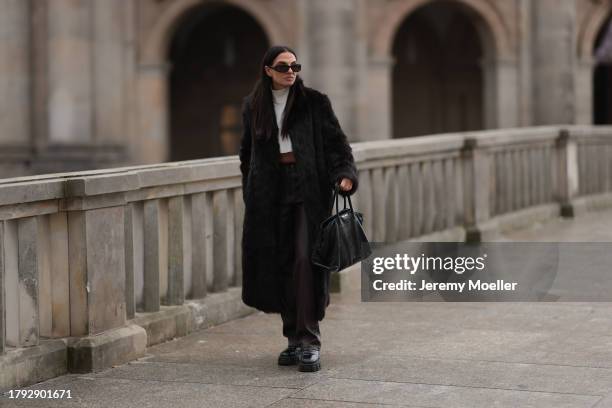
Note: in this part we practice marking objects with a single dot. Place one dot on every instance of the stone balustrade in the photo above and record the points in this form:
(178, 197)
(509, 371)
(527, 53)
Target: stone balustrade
(97, 265)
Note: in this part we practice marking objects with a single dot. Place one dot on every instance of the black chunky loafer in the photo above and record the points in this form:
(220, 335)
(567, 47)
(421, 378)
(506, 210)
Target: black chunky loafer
(289, 356)
(309, 359)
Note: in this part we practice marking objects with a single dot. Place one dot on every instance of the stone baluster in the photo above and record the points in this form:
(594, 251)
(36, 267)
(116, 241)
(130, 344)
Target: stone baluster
(239, 216)
(516, 185)
(405, 200)
(429, 204)
(439, 194)
(203, 245)
(179, 249)
(378, 205)
(21, 287)
(459, 212)
(416, 185)
(532, 186)
(508, 177)
(449, 191)
(527, 166)
(54, 282)
(366, 202)
(223, 222)
(134, 257)
(391, 204)
(155, 245)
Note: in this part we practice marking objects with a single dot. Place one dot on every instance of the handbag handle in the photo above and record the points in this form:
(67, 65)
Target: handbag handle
(336, 192)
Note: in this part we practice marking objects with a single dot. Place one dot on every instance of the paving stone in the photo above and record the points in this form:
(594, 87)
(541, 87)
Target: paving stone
(438, 395)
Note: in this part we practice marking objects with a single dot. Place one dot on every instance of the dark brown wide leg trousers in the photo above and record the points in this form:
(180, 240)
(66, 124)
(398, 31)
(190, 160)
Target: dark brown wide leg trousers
(300, 324)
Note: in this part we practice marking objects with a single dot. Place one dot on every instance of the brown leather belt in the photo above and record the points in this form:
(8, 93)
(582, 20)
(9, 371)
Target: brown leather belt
(287, 158)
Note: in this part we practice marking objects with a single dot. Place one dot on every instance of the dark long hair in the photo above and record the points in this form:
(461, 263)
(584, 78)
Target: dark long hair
(261, 102)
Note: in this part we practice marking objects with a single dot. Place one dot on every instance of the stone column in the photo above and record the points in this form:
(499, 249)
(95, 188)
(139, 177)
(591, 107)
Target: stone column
(14, 72)
(151, 144)
(553, 59)
(379, 96)
(109, 90)
(70, 71)
(500, 87)
(331, 29)
(525, 93)
(584, 91)
(362, 98)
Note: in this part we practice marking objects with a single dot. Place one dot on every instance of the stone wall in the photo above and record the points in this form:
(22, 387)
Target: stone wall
(84, 83)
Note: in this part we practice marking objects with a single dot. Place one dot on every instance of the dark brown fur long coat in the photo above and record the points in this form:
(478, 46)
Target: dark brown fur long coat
(323, 157)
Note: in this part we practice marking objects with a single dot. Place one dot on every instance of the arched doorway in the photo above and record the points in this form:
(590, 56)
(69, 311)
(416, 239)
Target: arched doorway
(437, 79)
(214, 55)
(602, 77)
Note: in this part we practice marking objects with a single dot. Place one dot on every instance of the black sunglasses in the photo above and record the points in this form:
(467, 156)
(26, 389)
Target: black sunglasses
(283, 68)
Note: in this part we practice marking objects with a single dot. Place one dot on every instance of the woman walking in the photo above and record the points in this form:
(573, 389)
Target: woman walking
(292, 153)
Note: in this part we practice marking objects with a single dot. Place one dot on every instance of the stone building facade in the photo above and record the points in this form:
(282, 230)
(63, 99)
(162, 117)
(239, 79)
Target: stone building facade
(101, 83)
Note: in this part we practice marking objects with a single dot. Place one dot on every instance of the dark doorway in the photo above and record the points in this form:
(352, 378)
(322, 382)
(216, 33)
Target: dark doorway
(437, 78)
(214, 55)
(602, 84)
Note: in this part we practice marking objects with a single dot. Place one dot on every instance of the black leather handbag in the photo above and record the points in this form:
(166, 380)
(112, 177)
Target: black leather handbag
(341, 241)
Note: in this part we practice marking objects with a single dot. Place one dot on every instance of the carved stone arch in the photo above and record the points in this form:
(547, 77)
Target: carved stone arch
(587, 31)
(397, 12)
(153, 143)
(499, 63)
(156, 44)
(590, 27)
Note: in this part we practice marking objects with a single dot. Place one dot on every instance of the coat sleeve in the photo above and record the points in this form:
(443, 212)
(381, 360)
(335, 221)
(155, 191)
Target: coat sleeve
(338, 152)
(245, 149)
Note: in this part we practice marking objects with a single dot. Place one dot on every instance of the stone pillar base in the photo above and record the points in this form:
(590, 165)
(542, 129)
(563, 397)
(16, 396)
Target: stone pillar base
(177, 321)
(590, 203)
(24, 366)
(104, 350)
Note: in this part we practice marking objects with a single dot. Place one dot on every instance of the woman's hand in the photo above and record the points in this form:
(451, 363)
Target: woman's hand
(346, 184)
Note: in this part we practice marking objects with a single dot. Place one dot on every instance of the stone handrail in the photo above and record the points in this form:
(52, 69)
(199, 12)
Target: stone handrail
(86, 253)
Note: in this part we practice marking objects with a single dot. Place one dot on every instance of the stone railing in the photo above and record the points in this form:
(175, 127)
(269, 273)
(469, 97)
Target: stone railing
(476, 183)
(95, 266)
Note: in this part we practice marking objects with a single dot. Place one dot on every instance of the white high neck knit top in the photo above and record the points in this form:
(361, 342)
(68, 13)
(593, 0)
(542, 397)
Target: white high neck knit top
(280, 100)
